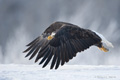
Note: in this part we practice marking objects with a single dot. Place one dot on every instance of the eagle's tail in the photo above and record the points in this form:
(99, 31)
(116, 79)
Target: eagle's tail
(104, 40)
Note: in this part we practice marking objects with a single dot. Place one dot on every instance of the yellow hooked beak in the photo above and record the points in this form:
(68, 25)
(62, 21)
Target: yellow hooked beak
(49, 37)
(103, 49)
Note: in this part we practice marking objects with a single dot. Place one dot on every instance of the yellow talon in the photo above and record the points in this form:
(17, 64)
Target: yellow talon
(49, 37)
(103, 49)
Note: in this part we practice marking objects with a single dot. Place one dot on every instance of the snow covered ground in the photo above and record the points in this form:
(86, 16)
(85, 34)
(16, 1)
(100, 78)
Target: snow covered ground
(67, 72)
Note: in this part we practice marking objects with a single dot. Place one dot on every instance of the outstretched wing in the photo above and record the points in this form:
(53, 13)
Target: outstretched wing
(36, 45)
(67, 41)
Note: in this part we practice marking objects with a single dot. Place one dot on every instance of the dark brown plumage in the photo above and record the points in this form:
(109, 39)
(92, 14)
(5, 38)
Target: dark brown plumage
(63, 45)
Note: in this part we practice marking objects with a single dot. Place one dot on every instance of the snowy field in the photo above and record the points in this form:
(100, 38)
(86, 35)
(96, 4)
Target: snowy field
(67, 72)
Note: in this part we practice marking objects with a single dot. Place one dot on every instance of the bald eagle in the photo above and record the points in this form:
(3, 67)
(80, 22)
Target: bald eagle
(61, 41)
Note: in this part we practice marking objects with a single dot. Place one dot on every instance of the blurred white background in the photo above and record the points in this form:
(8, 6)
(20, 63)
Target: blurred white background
(23, 20)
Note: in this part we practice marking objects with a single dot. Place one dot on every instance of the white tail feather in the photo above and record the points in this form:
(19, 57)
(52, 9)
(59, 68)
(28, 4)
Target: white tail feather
(104, 40)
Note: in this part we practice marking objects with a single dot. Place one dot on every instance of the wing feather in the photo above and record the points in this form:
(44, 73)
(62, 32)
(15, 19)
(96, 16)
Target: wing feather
(62, 53)
(66, 53)
(32, 49)
(31, 43)
(58, 58)
(46, 55)
(68, 40)
(49, 58)
(42, 51)
(43, 42)
(54, 59)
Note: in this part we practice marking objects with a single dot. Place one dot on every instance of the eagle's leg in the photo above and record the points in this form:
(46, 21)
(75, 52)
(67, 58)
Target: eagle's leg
(101, 47)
